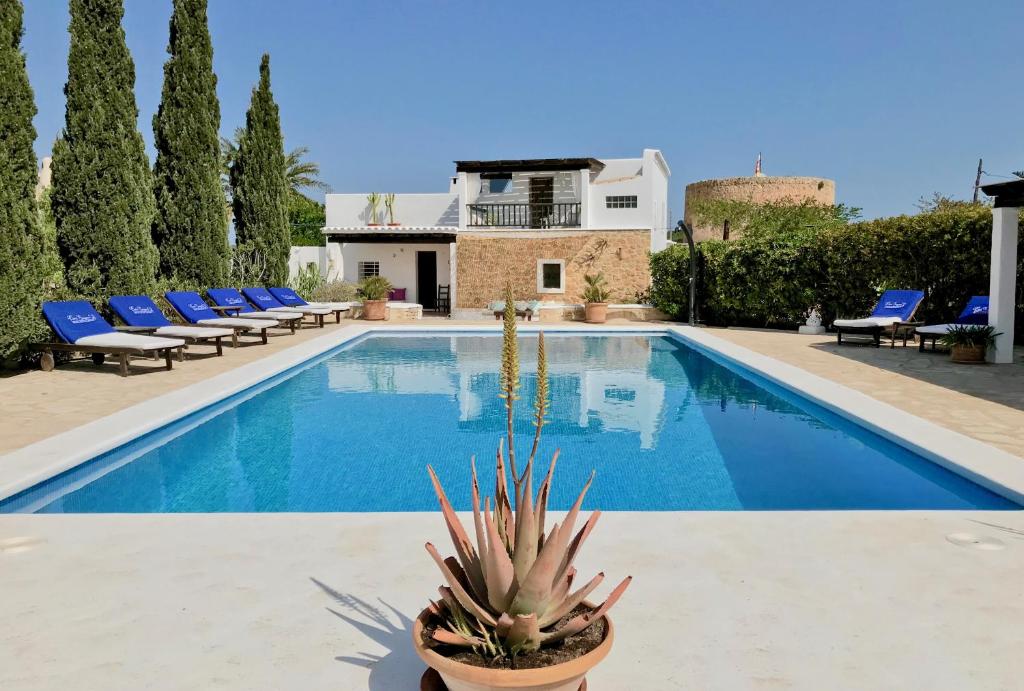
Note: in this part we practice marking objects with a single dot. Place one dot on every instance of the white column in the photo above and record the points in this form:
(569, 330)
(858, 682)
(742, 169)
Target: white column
(464, 198)
(585, 198)
(1002, 282)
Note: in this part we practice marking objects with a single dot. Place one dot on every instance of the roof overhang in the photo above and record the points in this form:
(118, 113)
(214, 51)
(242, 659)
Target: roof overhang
(407, 234)
(528, 165)
(1005, 194)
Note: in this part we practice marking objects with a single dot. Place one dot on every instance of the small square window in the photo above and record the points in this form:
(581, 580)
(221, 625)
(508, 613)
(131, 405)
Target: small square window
(620, 201)
(368, 269)
(550, 276)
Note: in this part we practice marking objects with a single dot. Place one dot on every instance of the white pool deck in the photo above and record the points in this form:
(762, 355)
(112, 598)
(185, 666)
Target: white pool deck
(760, 600)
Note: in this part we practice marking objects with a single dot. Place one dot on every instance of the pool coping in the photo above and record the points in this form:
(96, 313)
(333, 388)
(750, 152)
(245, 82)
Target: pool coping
(988, 466)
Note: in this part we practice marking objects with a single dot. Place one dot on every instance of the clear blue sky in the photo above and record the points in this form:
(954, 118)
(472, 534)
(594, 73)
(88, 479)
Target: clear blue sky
(893, 100)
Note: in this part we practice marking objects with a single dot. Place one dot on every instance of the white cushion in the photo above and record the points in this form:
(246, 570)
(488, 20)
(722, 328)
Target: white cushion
(192, 332)
(937, 329)
(233, 323)
(866, 323)
(304, 309)
(332, 305)
(264, 316)
(125, 340)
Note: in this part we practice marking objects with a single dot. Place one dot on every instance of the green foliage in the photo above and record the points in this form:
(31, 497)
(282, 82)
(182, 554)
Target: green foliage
(307, 281)
(595, 290)
(374, 288)
(306, 218)
(190, 227)
(52, 268)
(970, 335)
(21, 242)
(335, 291)
(772, 278)
(102, 186)
(785, 216)
(258, 183)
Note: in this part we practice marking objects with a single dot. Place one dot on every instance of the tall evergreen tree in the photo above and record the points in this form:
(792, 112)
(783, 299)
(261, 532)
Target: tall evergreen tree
(21, 271)
(190, 228)
(102, 187)
(259, 186)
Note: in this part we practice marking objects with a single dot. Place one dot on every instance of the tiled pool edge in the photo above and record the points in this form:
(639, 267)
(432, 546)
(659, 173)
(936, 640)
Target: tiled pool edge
(985, 465)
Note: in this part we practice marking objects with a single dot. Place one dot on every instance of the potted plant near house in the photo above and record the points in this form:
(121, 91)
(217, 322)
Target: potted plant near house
(374, 292)
(508, 616)
(595, 295)
(389, 204)
(968, 342)
(374, 200)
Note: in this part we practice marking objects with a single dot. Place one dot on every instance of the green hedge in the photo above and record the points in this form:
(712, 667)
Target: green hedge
(770, 279)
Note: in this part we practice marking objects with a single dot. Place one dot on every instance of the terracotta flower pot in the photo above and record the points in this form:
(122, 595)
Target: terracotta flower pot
(567, 676)
(967, 353)
(374, 310)
(595, 312)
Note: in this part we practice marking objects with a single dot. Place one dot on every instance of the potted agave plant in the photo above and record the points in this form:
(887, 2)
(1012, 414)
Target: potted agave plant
(508, 616)
(374, 292)
(595, 295)
(374, 199)
(968, 342)
(389, 204)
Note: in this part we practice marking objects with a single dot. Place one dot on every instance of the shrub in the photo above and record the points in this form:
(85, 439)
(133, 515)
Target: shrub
(335, 291)
(307, 281)
(375, 288)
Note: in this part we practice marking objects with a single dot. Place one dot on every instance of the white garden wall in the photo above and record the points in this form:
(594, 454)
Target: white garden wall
(327, 259)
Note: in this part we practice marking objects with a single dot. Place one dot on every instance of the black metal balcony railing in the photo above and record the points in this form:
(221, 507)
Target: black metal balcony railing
(557, 215)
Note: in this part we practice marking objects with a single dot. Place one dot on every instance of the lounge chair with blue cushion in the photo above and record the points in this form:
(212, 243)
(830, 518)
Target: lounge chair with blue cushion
(83, 330)
(289, 298)
(263, 300)
(142, 315)
(975, 313)
(894, 309)
(239, 307)
(524, 309)
(193, 309)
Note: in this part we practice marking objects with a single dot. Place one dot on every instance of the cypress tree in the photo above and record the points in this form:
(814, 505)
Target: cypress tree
(259, 185)
(102, 187)
(190, 228)
(21, 279)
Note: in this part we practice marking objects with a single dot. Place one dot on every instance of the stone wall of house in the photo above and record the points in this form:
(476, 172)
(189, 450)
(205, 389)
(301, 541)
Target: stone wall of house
(755, 189)
(485, 261)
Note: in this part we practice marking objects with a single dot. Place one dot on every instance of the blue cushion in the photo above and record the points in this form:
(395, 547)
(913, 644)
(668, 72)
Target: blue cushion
(75, 319)
(229, 297)
(288, 297)
(138, 310)
(898, 303)
(976, 311)
(261, 297)
(190, 305)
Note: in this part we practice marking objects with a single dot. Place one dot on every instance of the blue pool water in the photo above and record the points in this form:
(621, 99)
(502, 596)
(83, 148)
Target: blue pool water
(665, 426)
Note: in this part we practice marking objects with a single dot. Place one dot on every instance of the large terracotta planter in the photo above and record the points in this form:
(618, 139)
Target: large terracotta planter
(374, 310)
(595, 312)
(568, 676)
(967, 354)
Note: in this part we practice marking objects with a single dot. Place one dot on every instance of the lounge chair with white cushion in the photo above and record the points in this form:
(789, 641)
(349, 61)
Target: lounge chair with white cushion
(975, 313)
(289, 298)
(193, 309)
(83, 330)
(262, 299)
(894, 309)
(525, 309)
(141, 315)
(239, 307)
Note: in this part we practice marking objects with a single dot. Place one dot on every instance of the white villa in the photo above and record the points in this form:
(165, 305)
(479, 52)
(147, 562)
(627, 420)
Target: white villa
(541, 223)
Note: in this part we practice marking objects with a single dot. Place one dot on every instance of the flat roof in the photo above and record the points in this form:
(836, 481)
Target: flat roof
(522, 165)
(1006, 194)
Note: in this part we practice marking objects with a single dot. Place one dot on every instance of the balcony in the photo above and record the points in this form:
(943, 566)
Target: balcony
(543, 215)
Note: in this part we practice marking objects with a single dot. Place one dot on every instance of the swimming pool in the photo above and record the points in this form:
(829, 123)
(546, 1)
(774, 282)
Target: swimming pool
(665, 425)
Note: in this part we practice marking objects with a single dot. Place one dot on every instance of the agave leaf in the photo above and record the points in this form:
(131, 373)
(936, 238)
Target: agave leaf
(458, 590)
(560, 589)
(525, 552)
(577, 542)
(577, 624)
(569, 604)
(525, 633)
(542, 496)
(535, 589)
(502, 506)
(500, 574)
(449, 638)
(504, 624)
(481, 544)
(463, 547)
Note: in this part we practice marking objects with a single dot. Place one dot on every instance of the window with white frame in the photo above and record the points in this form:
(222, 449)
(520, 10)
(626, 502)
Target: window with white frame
(620, 201)
(550, 276)
(367, 269)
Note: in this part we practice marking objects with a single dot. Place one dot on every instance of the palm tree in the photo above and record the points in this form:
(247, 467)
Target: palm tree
(301, 175)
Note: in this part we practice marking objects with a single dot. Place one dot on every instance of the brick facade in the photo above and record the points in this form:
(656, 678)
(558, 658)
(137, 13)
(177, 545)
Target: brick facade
(485, 261)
